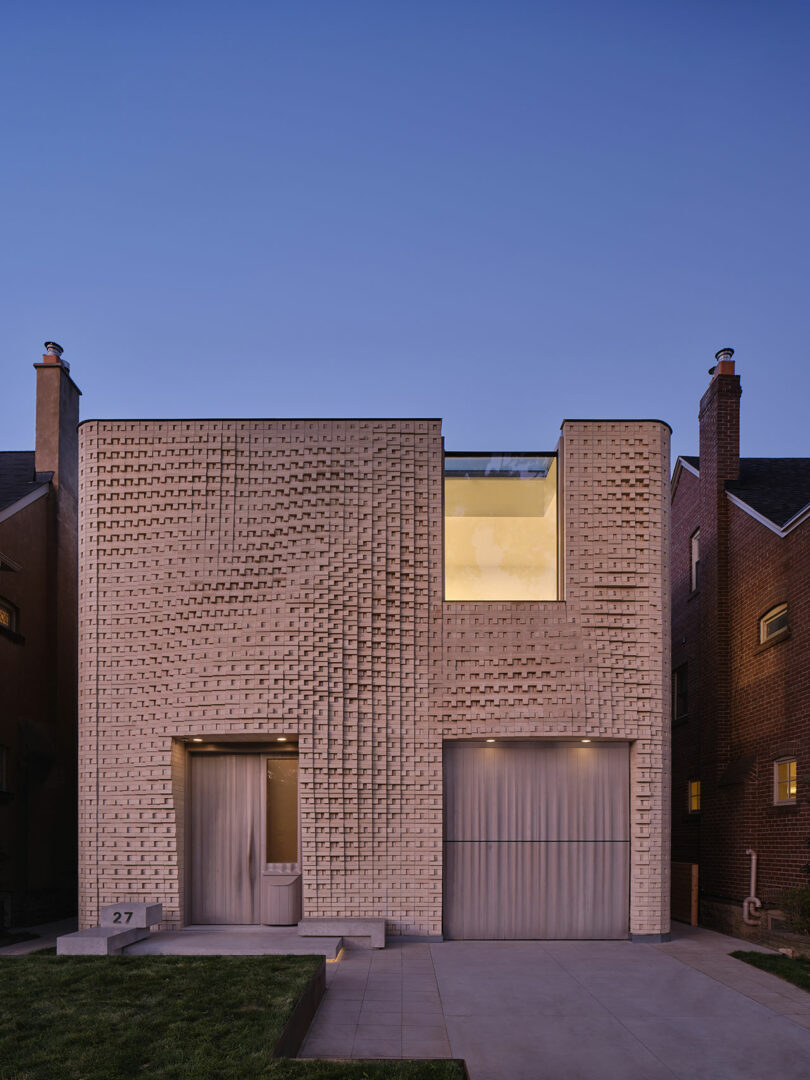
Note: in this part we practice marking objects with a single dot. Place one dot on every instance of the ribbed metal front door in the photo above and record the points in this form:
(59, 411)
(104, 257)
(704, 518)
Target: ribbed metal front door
(225, 838)
(537, 840)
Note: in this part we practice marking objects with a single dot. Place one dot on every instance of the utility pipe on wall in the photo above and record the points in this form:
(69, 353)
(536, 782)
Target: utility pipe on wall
(752, 901)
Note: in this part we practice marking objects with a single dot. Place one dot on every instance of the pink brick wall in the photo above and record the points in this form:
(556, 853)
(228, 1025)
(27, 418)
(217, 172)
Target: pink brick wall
(285, 577)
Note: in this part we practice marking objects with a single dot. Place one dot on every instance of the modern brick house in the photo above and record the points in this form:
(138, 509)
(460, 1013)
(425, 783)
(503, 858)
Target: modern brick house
(328, 670)
(38, 618)
(741, 665)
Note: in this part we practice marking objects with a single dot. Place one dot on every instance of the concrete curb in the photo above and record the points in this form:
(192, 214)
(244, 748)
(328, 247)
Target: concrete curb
(296, 1028)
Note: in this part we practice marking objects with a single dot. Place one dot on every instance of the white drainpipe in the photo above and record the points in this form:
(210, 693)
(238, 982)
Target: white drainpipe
(752, 901)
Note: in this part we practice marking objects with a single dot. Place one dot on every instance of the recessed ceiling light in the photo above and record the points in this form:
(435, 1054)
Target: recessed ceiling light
(281, 738)
(490, 740)
(584, 740)
(196, 739)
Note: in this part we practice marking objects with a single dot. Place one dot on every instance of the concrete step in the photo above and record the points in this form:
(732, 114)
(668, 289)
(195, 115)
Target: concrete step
(99, 941)
(368, 932)
(236, 941)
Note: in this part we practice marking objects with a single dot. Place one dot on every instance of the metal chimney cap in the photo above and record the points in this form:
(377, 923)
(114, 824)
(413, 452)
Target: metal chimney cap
(54, 349)
(724, 354)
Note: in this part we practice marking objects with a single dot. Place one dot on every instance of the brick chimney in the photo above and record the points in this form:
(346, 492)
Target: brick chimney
(719, 462)
(720, 423)
(57, 453)
(57, 439)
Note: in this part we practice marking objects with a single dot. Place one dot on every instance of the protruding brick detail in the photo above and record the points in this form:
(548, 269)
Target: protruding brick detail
(285, 577)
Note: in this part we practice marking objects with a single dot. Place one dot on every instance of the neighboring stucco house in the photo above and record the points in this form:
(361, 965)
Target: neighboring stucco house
(741, 665)
(38, 614)
(327, 669)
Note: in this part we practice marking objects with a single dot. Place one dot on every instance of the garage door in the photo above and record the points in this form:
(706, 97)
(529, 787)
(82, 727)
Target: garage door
(537, 841)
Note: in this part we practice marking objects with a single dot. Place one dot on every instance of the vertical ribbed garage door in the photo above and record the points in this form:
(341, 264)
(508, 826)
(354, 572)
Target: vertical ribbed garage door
(537, 841)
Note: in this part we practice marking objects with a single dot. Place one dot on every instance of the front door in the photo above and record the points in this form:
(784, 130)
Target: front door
(226, 834)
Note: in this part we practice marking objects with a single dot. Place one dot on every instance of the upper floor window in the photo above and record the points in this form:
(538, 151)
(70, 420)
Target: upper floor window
(693, 797)
(8, 615)
(680, 701)
(500, 527)
(694, 557)
(784, 780)
(774, 622)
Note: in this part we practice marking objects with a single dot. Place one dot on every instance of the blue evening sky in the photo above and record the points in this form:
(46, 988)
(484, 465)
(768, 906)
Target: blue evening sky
(501, 213)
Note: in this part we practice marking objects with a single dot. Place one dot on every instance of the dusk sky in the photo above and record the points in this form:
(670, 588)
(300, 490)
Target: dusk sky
(502, 214)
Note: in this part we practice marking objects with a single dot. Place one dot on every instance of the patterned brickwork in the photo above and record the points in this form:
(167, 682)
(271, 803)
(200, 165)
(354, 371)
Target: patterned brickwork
(254, 578)
(263, 578)
(595, 664)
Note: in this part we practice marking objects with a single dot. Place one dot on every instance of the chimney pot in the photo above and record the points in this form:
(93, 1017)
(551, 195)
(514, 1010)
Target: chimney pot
(53, 355)
(724, 365)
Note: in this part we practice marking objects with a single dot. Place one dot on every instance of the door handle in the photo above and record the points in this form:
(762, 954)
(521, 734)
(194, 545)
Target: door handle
(250, 854)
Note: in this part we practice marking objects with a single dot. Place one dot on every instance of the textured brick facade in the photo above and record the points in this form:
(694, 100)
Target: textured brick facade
(248, 579)
(748, 703)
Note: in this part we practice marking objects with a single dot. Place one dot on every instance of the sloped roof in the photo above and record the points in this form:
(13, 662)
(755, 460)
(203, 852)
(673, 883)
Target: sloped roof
(777, 488)
(17, 476)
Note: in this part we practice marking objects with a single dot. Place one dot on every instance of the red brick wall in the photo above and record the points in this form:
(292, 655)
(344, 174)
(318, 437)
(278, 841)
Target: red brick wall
(748, 704)
(685, 650)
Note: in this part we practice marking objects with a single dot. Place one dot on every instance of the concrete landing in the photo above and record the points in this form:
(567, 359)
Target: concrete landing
(568, 1010)
(235, 941)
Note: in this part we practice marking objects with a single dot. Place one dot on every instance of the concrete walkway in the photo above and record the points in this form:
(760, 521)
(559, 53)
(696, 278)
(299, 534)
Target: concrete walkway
(568, 1010)
(45, 936)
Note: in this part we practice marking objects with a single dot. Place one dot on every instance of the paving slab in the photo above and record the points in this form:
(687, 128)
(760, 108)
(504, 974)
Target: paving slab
(569, 1010)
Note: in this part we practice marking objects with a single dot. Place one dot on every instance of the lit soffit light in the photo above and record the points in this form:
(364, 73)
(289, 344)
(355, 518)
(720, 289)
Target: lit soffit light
(490, 740)
(584, 740)
(281, 738)
(196, 739)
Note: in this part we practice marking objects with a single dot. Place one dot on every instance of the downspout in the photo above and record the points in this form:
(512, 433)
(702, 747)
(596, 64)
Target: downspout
(752, 901)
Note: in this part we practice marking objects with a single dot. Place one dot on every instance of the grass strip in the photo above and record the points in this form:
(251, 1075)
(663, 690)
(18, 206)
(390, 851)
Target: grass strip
(793, 971)
(165, 1018)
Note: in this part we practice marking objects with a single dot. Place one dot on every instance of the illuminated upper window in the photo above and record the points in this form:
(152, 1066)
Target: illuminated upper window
(784, 780)
(773, 623)
(500, 527)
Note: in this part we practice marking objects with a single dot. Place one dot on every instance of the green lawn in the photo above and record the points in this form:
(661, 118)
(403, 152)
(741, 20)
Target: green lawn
(163, 1018)
(794, 971)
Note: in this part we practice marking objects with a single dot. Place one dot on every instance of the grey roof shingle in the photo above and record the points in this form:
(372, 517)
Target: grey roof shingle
(17, 476)
(777, 488)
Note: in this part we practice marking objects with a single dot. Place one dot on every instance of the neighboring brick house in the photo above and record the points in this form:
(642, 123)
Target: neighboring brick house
(326, 669)
(38, 642)
(741, 664)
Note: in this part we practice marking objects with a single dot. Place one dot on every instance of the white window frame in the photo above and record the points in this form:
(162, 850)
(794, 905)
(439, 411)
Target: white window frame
(694, 560)
(684, 668)
(770, 617)
(791, 799)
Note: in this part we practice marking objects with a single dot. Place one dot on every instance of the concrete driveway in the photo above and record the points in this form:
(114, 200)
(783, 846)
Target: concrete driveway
(567, 1010)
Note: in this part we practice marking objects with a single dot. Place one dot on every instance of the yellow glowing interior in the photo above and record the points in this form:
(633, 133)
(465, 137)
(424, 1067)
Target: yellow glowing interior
(282, 810)
(786, 780)
(500, 537)
(694, 796)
